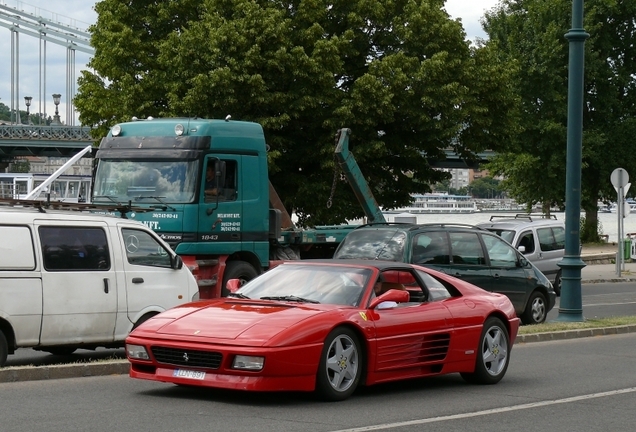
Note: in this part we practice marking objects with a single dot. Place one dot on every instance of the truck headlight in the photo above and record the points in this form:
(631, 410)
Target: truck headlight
(137, 352)
(253, 363)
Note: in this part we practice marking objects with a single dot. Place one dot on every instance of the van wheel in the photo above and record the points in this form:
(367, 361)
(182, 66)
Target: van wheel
(4, 349)
(557, 284)
(142, 320)
(60, 351)
(237, 270)
(536, 309)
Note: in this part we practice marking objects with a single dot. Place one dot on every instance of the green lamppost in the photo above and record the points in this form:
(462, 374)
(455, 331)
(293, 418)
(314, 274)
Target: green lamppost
(571, 306)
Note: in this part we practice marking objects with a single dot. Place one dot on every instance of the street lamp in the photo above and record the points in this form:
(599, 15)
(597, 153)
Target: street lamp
(56, 118)
(571, 304)
(27, 101)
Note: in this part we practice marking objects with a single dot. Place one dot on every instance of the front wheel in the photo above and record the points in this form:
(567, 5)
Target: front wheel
(536, 309)
(493, 355)
(237, 270)
(340, 366)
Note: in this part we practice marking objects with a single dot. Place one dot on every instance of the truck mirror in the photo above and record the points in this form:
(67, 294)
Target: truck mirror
(219, 170)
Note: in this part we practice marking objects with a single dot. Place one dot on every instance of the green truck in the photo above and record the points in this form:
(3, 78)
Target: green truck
(228, 225)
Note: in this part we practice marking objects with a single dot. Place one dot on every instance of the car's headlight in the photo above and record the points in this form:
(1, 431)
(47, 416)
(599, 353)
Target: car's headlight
(137, 352)
(248, 362)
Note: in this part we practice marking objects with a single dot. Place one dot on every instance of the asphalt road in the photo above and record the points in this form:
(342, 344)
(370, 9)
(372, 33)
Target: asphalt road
(575, 385)
(600, 300)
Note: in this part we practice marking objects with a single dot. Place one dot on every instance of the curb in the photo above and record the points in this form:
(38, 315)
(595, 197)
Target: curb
(575, 334)
(73, 370)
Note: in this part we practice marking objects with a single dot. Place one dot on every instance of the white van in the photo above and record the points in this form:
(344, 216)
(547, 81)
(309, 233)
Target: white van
(72, 280)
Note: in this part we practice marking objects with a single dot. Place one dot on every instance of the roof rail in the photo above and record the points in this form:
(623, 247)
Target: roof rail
(42, 206)
(528, 216)
(451, 224)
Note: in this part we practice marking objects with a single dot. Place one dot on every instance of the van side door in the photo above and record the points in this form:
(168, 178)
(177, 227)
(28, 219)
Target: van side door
(552, 249)
(78, 282)
(151, 284)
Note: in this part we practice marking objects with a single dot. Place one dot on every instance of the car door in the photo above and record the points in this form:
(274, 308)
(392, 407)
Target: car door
(552, 248)
(412, 334)
(508, 276)
(79, 287)
(150, 280)
(468, 259)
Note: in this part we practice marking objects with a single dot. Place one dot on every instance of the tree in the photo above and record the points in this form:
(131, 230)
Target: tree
(529, 34)
(485, 187)
(398, 73)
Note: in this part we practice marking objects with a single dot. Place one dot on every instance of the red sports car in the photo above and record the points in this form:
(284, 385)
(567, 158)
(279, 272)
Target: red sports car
(329, 326)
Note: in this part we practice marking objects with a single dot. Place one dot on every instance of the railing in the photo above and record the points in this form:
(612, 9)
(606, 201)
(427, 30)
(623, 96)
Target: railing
(35, 132)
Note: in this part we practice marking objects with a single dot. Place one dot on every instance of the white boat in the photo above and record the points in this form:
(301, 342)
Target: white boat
(438, 203)
(65, 188)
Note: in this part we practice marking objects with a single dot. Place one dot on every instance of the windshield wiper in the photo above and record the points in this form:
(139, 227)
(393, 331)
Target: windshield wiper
(107, 196)
(290, 298)
(138, 198)
(238, 295)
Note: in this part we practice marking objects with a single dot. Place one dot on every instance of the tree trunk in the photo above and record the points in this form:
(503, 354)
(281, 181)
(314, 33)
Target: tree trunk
(589, 228)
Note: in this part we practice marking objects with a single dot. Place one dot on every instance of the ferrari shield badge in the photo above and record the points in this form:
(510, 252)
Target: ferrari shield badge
(363, 315)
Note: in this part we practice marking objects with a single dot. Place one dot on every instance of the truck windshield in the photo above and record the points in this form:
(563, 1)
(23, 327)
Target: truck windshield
(172, 182)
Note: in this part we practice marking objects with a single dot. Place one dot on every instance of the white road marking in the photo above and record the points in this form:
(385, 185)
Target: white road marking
(490, 411)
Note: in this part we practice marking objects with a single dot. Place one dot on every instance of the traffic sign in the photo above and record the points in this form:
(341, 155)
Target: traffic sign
(619, 178)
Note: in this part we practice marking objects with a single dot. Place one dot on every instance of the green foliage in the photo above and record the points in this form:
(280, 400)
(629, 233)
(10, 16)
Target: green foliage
(20, 166)
(399, 73)
(485, 187)
(529, 35)
(5, 113)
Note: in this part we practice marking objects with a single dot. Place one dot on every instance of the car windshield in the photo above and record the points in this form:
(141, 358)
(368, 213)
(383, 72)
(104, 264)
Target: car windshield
(144, 181)
(507, 235)
(326, 284)
(377, 244)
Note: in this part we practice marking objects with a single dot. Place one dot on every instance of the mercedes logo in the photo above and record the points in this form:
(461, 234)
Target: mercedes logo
(132, 244)
(185, 357)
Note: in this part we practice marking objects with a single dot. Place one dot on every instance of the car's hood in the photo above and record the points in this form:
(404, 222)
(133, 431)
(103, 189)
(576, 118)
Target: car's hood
(238, 319)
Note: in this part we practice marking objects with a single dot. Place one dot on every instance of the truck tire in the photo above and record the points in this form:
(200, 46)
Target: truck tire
(4, 349)
(237, 270)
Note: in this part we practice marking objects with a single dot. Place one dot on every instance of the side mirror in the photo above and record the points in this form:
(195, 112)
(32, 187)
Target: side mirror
(176, 262)
(233, 285)
(398, 296)
(521, 249)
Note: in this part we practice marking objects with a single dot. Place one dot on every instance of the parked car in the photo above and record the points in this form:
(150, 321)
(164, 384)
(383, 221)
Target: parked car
(72, 280)
(318, 325)
(473, 254)
(541, 240)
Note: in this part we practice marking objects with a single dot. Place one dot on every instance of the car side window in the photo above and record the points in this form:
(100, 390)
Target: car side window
(466, 248)
(546, 239)
(501, 254)
(430, 248)
(143, 249)
(436, 290)
(226, 191)
(74, 248)
(559, 237)
(527, 241)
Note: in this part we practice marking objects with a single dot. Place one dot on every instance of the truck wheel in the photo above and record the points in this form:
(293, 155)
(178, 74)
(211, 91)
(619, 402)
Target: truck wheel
(4, 349)
(237, 270)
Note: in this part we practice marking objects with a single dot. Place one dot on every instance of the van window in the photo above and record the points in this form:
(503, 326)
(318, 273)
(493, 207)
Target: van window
(547, 240)
(467, 249)
(21, 257)
(74, 248)
(143, 249)
(501, 254)
(431, 248)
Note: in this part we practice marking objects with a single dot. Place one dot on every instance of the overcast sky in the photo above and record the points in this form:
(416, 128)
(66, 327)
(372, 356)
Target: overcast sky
(80, 14)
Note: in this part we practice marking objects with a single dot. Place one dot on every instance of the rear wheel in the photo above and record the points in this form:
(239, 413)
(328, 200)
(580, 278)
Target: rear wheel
(536, 309)
(4, 349)
(557, 284)
(237, 270)
(340, 366)
(493, 355)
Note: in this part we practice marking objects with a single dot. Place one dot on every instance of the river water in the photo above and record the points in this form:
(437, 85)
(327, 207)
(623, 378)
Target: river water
(608, 221)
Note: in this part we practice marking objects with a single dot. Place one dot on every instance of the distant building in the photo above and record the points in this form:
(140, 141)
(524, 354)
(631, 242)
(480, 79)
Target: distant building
(48, 165)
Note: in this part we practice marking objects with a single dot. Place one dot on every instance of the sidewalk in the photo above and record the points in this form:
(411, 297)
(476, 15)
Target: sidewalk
(601, 265)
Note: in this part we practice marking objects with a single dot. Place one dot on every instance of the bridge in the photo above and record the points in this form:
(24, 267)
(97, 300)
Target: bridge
(54, 138)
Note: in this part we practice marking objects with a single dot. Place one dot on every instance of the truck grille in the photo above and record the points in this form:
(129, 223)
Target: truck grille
(185, 357)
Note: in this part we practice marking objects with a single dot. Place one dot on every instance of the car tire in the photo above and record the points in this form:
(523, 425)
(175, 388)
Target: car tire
(340, 367)
(4, 349)
(536, 309)
(60, 351)
(142, 320)
(493, 354)
(237, 270)
(557, 283)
